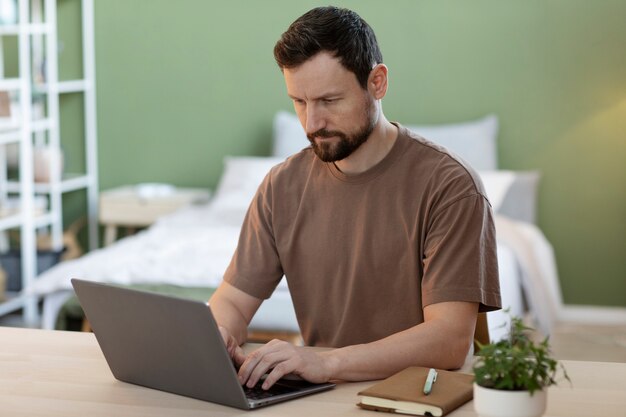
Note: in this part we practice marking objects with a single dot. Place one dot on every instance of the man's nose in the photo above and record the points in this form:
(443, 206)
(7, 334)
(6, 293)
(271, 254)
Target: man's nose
(314, 119)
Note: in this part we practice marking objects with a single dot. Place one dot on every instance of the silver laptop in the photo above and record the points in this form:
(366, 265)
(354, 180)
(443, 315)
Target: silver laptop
(172, 344)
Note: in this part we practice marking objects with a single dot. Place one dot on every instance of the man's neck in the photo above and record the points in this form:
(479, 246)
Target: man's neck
(372, 151)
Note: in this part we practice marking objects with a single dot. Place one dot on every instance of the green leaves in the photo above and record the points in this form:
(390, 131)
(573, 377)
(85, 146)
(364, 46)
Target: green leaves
(516, 363)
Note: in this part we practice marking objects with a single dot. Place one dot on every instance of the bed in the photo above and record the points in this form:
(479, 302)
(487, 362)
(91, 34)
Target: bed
(192, 247)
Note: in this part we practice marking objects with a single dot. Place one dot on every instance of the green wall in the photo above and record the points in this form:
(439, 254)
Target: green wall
(181, 84)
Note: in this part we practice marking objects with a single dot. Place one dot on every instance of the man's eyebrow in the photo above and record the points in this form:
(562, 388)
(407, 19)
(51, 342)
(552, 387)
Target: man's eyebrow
(328, 95)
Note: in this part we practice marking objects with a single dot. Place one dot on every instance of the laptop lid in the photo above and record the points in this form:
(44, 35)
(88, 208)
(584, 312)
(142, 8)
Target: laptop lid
(167, 343)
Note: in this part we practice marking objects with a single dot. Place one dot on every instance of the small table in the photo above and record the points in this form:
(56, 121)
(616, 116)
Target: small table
(141, 205)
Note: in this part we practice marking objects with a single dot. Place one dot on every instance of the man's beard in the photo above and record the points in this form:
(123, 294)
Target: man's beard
(332, 151)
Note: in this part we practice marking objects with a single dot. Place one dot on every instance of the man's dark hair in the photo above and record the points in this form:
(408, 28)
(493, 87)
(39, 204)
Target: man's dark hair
(339, 31)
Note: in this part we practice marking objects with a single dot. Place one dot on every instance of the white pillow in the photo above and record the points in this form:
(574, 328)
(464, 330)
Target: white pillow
(240, 180)
(497, 185)
(473, 141)
(512, 193)
(521, 202)
(288, 135)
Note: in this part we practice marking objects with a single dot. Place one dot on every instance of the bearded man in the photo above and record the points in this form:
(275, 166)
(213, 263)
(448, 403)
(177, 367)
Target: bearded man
(386, 239)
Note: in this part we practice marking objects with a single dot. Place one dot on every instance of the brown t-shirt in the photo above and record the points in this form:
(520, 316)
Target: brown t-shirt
(364, 254)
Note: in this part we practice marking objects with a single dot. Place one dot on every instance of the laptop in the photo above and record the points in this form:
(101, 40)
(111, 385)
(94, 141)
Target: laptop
(172, 344)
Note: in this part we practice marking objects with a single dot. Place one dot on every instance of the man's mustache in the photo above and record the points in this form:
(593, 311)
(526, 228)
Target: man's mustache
(323, 133)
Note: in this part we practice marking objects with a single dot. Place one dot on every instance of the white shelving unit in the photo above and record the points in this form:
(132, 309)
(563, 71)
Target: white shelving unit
(36, 31)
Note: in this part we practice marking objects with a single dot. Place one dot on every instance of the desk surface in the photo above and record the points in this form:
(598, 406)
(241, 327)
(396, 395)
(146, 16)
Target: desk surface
(45, 373)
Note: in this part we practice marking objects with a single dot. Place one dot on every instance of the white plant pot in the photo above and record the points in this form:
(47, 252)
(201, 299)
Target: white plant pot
(498, 403)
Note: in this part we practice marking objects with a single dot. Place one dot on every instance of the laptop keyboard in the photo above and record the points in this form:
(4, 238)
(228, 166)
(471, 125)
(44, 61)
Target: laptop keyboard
(258, 393)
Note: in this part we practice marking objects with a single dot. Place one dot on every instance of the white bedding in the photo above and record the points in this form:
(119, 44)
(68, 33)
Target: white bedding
(191, 247)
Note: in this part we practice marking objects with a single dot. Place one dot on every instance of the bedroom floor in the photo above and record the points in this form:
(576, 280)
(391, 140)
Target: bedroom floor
(570, 341)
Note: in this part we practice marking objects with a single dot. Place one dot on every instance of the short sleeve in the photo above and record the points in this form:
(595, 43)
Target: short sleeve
(255, 267)
(460, 259)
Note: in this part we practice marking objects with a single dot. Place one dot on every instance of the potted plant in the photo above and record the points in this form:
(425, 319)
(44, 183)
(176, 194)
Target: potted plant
(510, 375)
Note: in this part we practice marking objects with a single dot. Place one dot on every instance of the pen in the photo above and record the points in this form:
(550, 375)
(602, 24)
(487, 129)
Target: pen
(430, 380)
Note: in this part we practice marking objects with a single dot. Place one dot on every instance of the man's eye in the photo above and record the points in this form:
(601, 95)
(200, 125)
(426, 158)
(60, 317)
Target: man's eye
(328, 100)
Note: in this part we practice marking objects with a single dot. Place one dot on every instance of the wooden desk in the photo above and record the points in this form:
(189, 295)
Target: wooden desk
(46, 373)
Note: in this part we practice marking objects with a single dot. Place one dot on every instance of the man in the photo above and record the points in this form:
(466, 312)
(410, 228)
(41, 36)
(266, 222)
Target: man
(386, 240)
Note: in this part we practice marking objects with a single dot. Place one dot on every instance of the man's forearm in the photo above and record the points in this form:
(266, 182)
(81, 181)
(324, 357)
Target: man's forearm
(229, 317)
(433, 344)
(233, 309)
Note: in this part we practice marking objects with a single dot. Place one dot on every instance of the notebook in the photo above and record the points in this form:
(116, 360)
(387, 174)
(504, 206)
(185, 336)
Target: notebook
(402, 393)
(172, 344)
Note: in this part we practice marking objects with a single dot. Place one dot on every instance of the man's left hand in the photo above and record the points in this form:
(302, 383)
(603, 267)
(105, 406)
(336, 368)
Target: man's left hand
(279, 358)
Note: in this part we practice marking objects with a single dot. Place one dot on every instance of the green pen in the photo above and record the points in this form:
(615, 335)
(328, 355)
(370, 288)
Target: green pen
(430, 380)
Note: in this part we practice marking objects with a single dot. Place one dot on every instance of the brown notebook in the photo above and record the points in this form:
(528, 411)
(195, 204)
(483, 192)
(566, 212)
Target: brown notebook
(404, 393)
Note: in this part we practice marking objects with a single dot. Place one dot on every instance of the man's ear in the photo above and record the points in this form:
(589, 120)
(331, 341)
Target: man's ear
(377, 81)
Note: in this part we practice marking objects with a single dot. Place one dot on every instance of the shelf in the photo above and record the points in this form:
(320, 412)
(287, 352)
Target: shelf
(10, 84)
(74, 86)
(70, 86)
(43, 220)
(41, 125)
(70, 182)
(38, 44)
(13, 136)
(10, 222)
(9, 29)
(15, 220)
(30, 29)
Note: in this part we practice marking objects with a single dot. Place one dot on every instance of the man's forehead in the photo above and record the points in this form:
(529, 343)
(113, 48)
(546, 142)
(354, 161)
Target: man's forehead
(320, 76)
